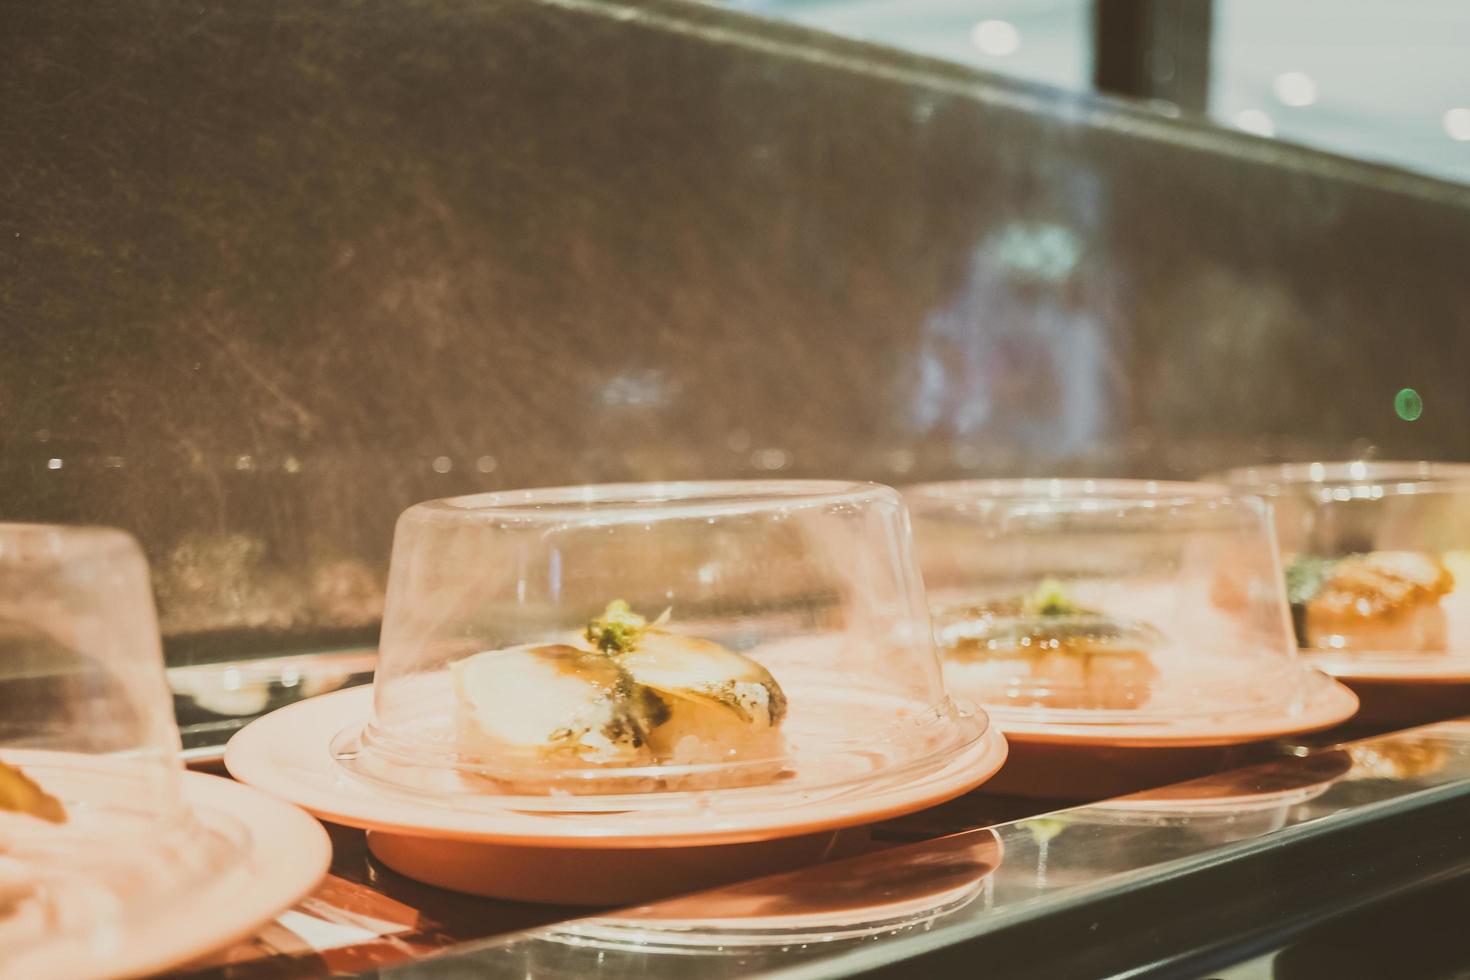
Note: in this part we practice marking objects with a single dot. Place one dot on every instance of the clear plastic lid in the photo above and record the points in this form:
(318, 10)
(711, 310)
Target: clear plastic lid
(1106, 601)
(93, 826)
(562, 649)
(1377, 558)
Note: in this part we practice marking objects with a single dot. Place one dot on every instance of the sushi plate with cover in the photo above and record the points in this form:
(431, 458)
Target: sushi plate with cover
(1377, 557)
(627, 853)
(114, 860)
(1122, 633)
(661, 686)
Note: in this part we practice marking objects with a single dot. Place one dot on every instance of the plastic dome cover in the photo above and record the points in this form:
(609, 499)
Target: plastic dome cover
(1111, 602)
(1377, 559)
(565, 647)
(93, 828)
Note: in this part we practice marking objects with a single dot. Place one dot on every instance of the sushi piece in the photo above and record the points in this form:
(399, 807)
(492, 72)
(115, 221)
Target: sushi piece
(1068, 656)
(723, 707)
(1381, 600)
(627, 693)
(528, 707)
(21, 794)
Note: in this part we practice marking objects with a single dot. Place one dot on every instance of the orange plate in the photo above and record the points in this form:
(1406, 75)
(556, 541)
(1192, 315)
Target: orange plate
(1061, 771)
(1074, 762)
(514, 853)
(1407, 690)
(1327, 703)
(576, 876)
(1426, 668)
(286, 857)
(1405, 702)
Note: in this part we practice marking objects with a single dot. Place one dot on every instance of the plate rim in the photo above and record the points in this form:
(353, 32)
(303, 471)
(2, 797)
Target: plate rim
(1384, 674)
(247, 760)
(1332, 703)
(219, 917)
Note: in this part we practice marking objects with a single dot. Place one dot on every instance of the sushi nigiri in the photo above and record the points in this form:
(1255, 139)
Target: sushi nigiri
(554, 704)
(629, 693)
(1068, 656)
(1381, 600)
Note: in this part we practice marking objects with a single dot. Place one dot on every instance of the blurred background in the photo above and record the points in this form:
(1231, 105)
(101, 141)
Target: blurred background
(1374, 79)
(272, 272)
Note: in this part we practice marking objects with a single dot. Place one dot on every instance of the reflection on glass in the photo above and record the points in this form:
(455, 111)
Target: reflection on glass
(858, 898)
(1234, 805)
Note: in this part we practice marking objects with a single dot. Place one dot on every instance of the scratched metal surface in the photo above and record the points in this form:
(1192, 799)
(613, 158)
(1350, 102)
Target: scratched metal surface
(270, 272)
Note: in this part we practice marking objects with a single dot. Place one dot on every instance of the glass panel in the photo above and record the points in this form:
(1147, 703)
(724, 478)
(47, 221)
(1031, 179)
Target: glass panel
(1104, 862)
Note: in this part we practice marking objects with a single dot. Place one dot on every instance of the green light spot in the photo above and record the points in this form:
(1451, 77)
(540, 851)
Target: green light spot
(1408, 404)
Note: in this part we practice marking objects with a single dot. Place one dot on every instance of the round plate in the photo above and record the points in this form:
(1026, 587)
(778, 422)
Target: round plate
(287, 754)
(1328, 703)
(1428, 669)
(1402, 702)
(607, 877)
(287, 857)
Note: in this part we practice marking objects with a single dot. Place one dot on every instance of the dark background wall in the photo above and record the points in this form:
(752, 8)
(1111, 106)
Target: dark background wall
(270, 272)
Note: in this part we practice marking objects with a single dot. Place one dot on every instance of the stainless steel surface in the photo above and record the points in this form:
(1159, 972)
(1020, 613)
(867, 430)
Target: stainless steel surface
(1089, 862)
(272, 273)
